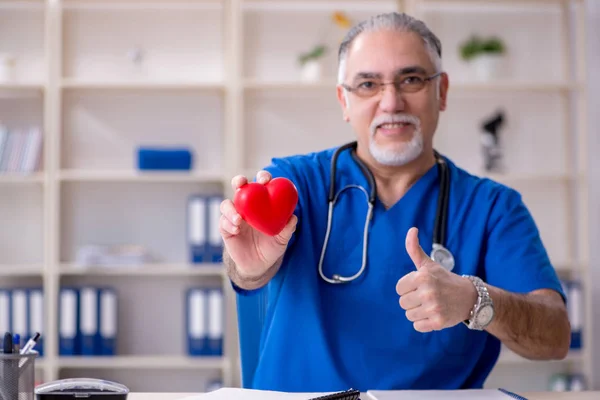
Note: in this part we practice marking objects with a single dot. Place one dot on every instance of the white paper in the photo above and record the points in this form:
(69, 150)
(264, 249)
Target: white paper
(250, 394)
(471, 394)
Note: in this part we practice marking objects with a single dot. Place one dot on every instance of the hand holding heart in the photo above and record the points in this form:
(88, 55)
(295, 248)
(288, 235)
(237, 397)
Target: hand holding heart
(252, 250)
(433, 297)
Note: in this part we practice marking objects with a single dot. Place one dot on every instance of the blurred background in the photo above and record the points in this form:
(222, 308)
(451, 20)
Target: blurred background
(123, 121)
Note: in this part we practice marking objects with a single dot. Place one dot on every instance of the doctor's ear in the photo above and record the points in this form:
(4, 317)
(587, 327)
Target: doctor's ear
(444, 83)
(342, 97)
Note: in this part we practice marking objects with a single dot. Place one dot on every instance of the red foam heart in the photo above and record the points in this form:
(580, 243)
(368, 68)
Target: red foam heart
(267, 208)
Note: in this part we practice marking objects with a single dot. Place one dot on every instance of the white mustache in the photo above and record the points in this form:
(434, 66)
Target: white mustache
(395, 118)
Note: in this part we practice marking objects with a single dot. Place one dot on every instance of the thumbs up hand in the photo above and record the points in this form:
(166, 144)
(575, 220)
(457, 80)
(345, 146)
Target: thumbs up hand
(433, 297)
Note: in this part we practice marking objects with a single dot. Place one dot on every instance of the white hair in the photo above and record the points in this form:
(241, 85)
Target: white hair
(397, 22)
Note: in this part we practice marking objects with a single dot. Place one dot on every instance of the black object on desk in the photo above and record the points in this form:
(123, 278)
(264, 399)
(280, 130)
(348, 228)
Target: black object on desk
(81, 388)
(350, 394)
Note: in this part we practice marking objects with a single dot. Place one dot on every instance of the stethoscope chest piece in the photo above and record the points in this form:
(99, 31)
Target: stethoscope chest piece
(442, 256)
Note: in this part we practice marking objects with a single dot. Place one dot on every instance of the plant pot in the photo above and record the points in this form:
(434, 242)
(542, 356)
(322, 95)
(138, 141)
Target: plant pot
(6, 67)
(311, 71)
(487, 67)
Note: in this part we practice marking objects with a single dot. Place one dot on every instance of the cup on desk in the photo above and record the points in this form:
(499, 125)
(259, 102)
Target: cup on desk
(17, 376)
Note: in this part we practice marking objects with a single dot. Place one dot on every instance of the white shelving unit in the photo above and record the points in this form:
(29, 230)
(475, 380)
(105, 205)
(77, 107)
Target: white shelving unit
(221, 76)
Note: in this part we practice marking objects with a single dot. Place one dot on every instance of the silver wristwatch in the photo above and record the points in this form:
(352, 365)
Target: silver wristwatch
(483, 311)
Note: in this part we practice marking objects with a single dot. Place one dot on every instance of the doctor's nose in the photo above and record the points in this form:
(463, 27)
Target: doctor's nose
(391, 100)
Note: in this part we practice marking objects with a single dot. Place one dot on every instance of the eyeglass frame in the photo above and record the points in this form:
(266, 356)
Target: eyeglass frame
(383, 84)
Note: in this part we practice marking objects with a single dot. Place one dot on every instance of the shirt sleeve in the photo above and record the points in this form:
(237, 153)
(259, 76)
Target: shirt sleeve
(515, 258)
(280, 168)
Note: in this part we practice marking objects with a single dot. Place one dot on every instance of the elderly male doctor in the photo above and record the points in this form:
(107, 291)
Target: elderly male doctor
(406, 321)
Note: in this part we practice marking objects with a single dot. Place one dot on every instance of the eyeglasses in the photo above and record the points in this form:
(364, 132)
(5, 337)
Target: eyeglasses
(407, 84)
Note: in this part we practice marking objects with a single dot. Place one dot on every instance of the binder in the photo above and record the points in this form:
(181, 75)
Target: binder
(36, 318)
(575, 311)
(89, 321)
(215, 241)
(5, 311)
(215, 322)
(19, 314)
(197, 227)
(68, 315)
(108, 321)
(196, 305)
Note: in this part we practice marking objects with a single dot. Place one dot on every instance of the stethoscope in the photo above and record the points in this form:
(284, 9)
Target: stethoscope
(439, 253)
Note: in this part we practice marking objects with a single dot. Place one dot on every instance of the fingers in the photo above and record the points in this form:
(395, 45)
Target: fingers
(263, 177)
(407, 284)
(423, 325)
(240, 180)
(410, 300)
(416, 253)
(416, 314)
(230, 220)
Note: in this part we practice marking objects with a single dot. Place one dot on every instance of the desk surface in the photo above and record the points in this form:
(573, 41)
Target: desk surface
(528, 395)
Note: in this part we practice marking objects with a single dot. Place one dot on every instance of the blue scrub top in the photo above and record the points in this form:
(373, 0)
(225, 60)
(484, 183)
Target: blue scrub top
(323, 337)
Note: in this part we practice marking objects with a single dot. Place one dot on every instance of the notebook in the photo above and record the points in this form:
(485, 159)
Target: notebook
(468, 394)
(251, 394)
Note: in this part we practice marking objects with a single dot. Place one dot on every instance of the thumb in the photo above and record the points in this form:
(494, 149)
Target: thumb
(286, 233)
(416, 253)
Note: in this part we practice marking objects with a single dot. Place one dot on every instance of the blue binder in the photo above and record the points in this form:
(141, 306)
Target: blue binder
(108, 307)
(20, 313)
(215, 241)
(576, 313)
(5, 310)
(215, 312)
(68, 314)
(197, 221)
(89, 321)
(196, 321)
(36, 318)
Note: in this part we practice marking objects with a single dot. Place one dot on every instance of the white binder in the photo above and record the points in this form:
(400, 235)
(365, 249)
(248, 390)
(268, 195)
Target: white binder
(68, 326)
(5, 311)
(88, 320)
(19, 313)
(108, 322)
(196, 322)
(36, 318)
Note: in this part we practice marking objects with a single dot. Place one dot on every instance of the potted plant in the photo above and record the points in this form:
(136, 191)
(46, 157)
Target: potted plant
(485, 55)
(310, 61)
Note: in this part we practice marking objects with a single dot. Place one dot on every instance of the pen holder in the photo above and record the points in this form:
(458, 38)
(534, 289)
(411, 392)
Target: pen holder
(17, 376)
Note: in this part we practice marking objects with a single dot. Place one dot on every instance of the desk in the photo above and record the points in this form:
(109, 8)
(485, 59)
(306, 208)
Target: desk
(529, 395)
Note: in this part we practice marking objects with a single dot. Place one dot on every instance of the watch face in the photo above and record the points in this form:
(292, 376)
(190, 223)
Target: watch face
(443, 257)
(485, 315)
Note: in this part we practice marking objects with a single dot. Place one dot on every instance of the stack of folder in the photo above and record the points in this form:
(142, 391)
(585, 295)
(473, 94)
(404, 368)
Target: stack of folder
(204, 239)
(22, 312)
(87, 321)
(204, 321)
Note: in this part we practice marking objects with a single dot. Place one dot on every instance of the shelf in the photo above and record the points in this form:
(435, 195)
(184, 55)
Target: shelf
(22, 5)
(16, 270)
(316, 5)
(508, 357)
(141, 85)
(142, 362)
(139, 176)
(148, 270)
(17, 178)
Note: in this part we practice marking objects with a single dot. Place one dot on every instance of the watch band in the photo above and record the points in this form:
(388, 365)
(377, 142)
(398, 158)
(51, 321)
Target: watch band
(483, 299)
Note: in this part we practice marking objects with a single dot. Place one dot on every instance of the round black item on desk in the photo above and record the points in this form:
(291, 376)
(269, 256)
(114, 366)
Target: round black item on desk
(81, 388)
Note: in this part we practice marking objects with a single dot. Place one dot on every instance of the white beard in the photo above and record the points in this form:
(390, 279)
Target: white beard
(396, 158)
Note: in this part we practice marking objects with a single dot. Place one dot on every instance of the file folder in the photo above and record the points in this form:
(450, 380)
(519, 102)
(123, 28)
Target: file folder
(19, 314)
(215, 241)
(108, 322)
(5, 311)
(575, 310)
(197, 226)
(36, 318)
(88, 321)
(215, 322)
(196, 322)
(68, 314)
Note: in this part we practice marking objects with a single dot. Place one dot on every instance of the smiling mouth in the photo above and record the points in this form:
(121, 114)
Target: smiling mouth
(395, 128)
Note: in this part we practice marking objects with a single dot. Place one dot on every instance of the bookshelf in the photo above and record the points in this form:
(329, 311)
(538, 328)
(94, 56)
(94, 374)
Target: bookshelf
(221, 77)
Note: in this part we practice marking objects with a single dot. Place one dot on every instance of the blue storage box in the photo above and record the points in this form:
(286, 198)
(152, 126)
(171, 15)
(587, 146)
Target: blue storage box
(152, 158)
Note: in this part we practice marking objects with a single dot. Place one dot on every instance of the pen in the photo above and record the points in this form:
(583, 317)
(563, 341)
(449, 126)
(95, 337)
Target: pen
(8, 342)
(16, 343)
(30, 343)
